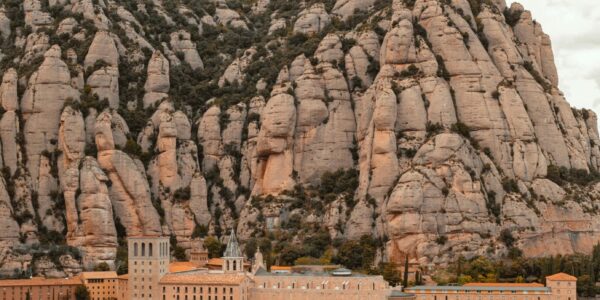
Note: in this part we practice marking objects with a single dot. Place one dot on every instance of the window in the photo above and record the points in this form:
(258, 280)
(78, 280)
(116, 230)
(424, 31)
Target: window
(150, 249)
(234, 265)
(143, 249)
(135, 249)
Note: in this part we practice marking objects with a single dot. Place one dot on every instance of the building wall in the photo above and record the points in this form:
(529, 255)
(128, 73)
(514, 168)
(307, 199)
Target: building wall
(316, 294)
(318, 287)
(562, 290)
(148, 262)
(205, 291)
(484, 295)
(103, 288)
(122, 284)
(42, 292)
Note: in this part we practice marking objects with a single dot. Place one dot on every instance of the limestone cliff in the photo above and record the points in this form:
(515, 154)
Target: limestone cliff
(430, 126)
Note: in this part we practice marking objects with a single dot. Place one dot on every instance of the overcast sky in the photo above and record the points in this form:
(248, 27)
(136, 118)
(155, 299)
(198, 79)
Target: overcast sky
(573, 26)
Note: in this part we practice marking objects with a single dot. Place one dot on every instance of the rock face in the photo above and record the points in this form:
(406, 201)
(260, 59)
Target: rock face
(312, 20)
(410, 122)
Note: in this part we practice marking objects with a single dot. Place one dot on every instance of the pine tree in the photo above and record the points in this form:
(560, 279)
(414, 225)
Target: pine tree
(405, 281)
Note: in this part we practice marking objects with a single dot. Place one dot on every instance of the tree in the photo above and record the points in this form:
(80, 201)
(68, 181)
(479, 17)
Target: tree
(405, 280)
(391, 274)
(82, 293)
(102, 267)
(213, 246)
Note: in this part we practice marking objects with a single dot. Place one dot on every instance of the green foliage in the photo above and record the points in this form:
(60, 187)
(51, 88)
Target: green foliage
(357, 254)
(442, 70)
(102, 267)
(182, 194)
(510, 185)
(433, 129)
(82, 293)
(461, 129)
(340, 182)
(200, 231)
(507, 238)
(441, 240)
(512, 18)
(563, 176)
(213, 246)
(537, 76)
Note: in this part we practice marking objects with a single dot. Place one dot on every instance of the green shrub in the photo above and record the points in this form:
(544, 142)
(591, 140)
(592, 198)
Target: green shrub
(461, 129)
(510, 185)
(441, 240)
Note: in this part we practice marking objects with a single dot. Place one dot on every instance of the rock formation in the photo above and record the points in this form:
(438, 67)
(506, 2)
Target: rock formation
(428, 126)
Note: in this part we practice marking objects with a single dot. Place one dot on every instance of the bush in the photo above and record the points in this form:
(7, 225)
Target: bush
(441, 240)
(507, 238)
(510, 185)
(461, 129)
(357, 254)
(563, 175)
(512, 18)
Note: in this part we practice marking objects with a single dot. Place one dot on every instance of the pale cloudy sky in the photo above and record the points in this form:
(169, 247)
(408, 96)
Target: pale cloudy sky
(574, 27)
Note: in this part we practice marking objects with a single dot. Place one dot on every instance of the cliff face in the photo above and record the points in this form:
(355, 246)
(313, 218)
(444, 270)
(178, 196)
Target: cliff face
(434, 126)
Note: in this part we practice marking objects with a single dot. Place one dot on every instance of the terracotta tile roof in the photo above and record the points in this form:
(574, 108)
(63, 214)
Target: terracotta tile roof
(202, 278)
(281, 268)
(215, 261)
(99, 275)
(181, 266)
(561, 277)
(35, 281)
(499, 284)
(124, 276)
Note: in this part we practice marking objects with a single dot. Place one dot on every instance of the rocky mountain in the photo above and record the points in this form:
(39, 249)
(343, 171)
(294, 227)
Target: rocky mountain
(431, 128)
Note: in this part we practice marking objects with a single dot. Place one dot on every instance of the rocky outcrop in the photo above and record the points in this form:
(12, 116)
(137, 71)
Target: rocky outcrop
(48, 89)
(157, 84)
(180, 42)
(312, 20)
(431, 125)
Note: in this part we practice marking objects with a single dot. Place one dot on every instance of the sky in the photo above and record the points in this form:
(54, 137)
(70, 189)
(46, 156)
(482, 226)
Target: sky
(573, 27)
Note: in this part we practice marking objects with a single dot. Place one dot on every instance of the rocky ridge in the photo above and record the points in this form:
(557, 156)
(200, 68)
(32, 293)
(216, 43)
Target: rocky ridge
(432, 126)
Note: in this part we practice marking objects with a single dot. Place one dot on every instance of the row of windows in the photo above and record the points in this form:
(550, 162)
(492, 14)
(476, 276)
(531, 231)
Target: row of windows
(163, 249)
(201, 289)
(194, 297)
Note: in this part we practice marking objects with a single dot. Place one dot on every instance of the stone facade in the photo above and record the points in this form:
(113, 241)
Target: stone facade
(558, 287)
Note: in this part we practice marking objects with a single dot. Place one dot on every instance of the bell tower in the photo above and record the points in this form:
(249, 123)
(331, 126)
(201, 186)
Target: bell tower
(233, 261)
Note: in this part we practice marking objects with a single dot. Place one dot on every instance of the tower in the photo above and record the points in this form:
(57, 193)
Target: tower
(198, 254)
(148, 262)
(233, 261)
(259, 261)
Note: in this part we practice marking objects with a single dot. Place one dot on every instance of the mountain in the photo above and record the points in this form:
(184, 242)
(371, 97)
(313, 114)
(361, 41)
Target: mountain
(379, 129)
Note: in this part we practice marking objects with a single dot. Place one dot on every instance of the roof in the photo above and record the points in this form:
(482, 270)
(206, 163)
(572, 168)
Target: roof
(124, 276)
(99, 275)
(400, 294)
(281, 268)
(233, 248)
(219, 262)
(497, 284)
(202, 278)
(561, 277)
(275, 273)
(539, 289)
(215, 262)
(41, 281)
(181, 266)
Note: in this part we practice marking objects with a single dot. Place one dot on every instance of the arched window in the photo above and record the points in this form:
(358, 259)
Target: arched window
(150, 249)
(235, 265)
(227, 266)
(135, 249)
(143, 249)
